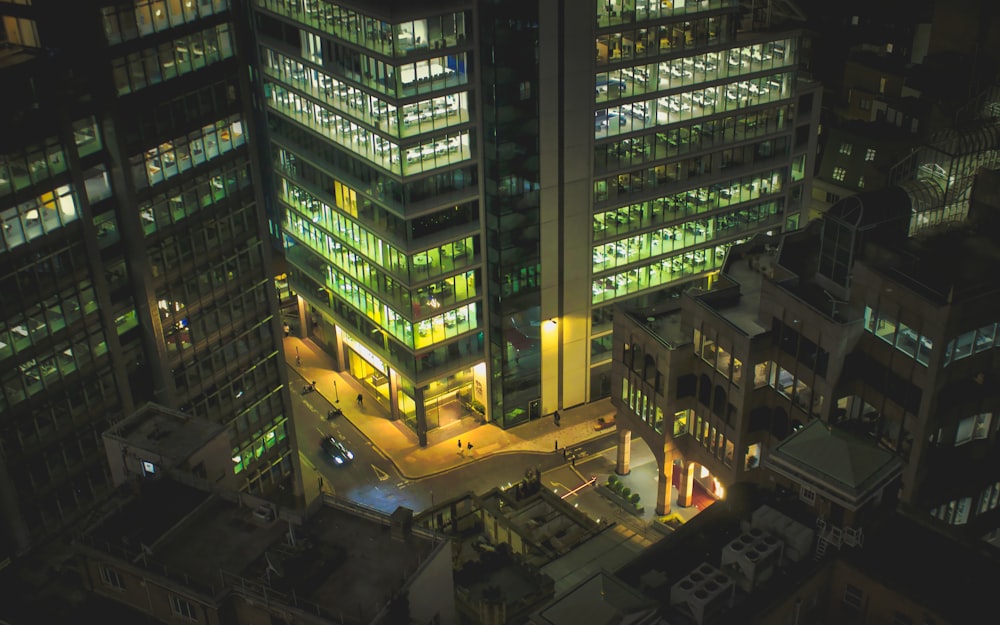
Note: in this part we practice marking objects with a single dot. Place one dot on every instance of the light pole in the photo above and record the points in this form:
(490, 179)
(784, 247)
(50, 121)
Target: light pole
(336, 393)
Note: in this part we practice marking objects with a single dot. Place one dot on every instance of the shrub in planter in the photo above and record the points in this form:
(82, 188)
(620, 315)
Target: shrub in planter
(612, 480)
(634, 499)
(626, 492)
(478, 406)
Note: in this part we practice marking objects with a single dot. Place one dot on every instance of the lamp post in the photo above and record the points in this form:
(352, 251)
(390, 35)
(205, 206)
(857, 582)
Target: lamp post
(336, 393)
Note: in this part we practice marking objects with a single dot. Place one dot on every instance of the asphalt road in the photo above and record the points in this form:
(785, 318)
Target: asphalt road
(372, 480)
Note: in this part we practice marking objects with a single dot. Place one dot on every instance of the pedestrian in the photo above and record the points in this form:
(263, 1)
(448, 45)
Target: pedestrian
(459, 443)
(470, 445)
(361, 400)
(555, 417)
(288, 330)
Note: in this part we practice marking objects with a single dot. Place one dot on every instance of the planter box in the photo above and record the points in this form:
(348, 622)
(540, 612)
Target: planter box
(621, 501)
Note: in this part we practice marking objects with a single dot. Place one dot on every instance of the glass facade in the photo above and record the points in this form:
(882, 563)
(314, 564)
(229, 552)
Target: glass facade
(693, 144)
(134, 264)
(374, 154)
(512, 201)
(407, 168)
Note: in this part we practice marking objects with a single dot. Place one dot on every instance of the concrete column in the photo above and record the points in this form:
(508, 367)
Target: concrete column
(421, 421)
(686, 491)
(624, 451)
(664, 485)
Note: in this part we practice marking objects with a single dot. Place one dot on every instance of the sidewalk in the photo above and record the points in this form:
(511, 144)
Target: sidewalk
(443, 452)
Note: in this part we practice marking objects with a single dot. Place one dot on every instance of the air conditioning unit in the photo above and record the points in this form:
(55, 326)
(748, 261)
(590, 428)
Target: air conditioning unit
(704, 592)
(798, 539)
(752, 556)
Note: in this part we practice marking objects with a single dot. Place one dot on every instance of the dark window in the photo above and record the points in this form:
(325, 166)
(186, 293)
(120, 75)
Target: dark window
(705, 391)
(719, 402)
(759, 419)
(686, 385)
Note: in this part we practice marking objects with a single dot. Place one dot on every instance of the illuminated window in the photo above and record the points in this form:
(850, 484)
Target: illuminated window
(861, 182)
(751, 458)
(839, 173)
(870, 154)
(846, 148)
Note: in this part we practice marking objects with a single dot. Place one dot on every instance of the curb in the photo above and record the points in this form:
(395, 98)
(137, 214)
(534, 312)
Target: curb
(414, 478)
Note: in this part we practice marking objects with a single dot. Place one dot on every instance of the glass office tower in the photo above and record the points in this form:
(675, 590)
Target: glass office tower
(703, 135)
(470, 187)
(135, 266)
(376, 162)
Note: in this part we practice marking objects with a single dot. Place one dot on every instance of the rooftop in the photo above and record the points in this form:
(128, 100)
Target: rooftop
(845, 468)
(952, 578)
(142, 517)
(663, 324)
(343, 558)
(170, 433)
(743, 275)
(930, 266)
(598, 599)
(701, 541)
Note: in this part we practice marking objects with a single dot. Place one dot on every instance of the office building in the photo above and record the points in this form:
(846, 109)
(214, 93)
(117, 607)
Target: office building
(469, 187)
(852, 322)
(135, 264)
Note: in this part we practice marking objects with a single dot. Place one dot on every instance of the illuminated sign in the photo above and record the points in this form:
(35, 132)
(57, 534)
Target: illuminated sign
(365, 353)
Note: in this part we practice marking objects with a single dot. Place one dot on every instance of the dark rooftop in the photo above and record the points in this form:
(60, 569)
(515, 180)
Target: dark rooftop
(949, 264)
(954, 579)
(145, 518)
(343, 558)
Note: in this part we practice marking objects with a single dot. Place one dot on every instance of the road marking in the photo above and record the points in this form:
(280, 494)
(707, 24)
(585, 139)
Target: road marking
(382, 475)
(580, 487)
(379, 451)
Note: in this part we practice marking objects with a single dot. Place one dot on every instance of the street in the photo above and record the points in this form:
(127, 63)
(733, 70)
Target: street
(371, 479)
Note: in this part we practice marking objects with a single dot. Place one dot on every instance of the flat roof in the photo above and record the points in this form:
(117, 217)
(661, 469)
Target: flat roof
(744, 270)
(948, 264)
(342, 558)
(955, 579)
(667, 326)
(348, 562)
(142, 516)
(168, 432)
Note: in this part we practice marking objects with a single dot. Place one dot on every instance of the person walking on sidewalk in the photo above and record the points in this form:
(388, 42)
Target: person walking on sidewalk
(555, 417)
(361, 400)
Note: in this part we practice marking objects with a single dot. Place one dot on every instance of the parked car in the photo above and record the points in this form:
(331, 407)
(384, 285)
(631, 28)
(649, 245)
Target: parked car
(337, 451)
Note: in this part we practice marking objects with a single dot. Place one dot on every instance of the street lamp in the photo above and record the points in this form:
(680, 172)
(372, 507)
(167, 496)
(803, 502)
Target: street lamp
(336, 394)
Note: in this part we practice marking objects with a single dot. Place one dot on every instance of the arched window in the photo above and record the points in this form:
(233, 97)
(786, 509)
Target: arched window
(719, 402)
(705, 390)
